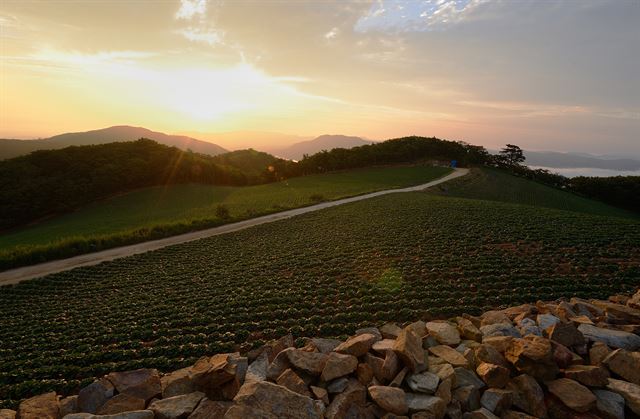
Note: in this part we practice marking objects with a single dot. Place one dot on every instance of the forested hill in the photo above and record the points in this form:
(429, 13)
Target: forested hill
(48, 182)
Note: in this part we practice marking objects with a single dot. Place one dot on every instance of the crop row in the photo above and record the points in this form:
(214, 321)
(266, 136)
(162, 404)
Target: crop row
(394, 258)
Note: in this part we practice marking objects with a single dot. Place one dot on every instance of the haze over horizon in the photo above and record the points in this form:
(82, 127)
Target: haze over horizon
(545, 75)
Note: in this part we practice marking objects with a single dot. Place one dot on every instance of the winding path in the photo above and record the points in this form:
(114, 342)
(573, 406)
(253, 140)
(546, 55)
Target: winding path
(14, 276)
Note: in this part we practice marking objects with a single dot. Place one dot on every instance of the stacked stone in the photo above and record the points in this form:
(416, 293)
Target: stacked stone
(566, 359)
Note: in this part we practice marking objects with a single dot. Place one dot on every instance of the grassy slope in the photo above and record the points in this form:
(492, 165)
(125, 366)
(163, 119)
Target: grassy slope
(399, 258)
(496, 185)
(184, 203)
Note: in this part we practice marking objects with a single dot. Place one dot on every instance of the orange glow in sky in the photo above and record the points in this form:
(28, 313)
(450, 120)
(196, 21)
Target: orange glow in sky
(483, 71)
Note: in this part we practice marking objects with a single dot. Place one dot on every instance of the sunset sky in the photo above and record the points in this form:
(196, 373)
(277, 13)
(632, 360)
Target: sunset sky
(545, 75)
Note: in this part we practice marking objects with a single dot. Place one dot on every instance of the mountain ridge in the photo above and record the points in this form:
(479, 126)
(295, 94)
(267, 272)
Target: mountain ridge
(118, 133)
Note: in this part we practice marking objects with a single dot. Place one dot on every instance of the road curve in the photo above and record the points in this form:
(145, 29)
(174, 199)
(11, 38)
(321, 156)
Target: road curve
(14, 276)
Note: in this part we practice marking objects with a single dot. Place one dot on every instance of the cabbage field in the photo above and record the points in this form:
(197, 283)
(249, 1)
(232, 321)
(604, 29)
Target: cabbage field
(399, 257)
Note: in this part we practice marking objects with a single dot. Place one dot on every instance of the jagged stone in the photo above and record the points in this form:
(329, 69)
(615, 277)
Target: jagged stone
(627, 314)
(44, 406)
(444, 390)
(423, 382)
(493, 375)
(210, 409)
(532, 355)
(566, 334)
(422, 402)
(545, 321)
(468, 330)
(399, 378)
(325, 345)
(338, 385)
(68, 405)
(93, 396)
(143, 383)
(338, 365)
(391, 399)
(272, 399)
(279, 364)
(630, 392)
(310, 362)
(469, 398)
(500, 329)
(598, 352)
(136, 414)
(364, 372)
(500, 343)
(120, 403)
(496, 400)
(419, 328)
(370, 330)
(176, 407)
(589, 375)
(7, 414)
(609, 405)
(293, 382)
(465, 377)
(444, 372)
(528, 396)
(634, 301)
(390, 330)
(493, 317)
(481, 413)
(357, 345)
(527, 326)
(512, 414)
(450, 355)
(390, 366)
(489, 354)
(176, 383)
(320, 394)
(573, 394)
(453, 410)
(383, 346)
(377, 366)
(625, 364)
(444, 332)
(612, 338)
(408, 347)
(562, 356)
(353, 396)
(257, 370)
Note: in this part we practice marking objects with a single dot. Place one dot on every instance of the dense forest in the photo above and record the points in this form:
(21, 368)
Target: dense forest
(620, 191)
(49, 182)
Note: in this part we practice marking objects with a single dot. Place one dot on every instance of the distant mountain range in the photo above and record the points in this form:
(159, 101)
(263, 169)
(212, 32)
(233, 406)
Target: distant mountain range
(578, 160)
(14, 148)
(324, 142)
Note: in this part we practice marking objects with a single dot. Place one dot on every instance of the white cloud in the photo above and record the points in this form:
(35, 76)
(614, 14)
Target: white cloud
(207, 36)
(332, 33)
(190, 8)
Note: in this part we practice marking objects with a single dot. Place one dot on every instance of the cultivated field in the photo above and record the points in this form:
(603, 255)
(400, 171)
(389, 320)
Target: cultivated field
(163, 211)
(497, 185)
(399, 257)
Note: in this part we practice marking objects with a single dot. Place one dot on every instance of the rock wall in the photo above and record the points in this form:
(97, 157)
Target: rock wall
(566, 359)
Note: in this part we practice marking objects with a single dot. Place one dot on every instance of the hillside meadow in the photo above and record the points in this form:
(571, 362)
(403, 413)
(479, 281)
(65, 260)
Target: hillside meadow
(400, 257)
(167, 210)
(498, 185)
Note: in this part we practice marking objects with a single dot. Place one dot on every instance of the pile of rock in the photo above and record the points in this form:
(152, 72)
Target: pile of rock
(567, 359)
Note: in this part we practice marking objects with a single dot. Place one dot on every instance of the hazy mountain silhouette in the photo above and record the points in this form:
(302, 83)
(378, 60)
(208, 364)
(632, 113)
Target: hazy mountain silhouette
(324, 142)
(578, 160)
(14, 148)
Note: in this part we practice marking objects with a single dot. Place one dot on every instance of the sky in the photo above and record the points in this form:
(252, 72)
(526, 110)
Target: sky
(546, 75)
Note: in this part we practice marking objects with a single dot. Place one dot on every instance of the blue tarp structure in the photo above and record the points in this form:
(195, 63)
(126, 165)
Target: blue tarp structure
(454, 163)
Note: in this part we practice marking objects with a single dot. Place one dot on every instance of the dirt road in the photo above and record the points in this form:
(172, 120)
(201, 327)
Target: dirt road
(14, 276)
